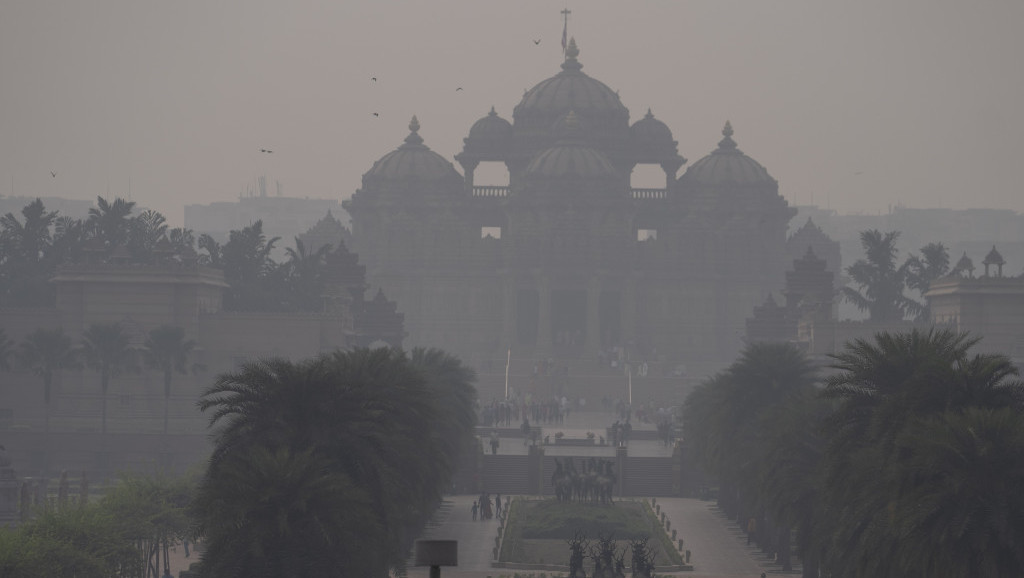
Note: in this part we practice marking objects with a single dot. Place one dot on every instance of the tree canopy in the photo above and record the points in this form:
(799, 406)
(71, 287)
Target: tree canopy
(904, 462)
(328, 466)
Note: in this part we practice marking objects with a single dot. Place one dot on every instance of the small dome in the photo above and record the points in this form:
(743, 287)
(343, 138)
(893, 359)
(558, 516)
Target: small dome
(570, 157)
(727, 165)
(571, 89)
(490, 128)
(412, 161)
(651, 132)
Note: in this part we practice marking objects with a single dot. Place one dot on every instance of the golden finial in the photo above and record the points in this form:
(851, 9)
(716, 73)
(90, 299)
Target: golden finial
(727, 131)
(414, 125)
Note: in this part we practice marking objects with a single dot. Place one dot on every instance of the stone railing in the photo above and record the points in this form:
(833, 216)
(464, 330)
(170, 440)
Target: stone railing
(497, 191)
(650, 194)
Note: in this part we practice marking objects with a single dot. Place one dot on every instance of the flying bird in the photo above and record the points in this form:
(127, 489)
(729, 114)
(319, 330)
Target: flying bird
(376, 114)
(266, 151)
(458, 89)
(373, 78)
(536, 41)
(54, 174)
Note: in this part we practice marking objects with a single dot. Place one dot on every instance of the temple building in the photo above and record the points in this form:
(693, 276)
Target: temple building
(567, 260)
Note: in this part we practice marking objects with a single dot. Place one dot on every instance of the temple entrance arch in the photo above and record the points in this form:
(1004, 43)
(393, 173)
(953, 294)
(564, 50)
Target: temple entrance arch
(568, 322)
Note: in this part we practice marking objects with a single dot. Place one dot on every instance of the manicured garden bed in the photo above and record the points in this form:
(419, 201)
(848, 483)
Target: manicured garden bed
(538, 530)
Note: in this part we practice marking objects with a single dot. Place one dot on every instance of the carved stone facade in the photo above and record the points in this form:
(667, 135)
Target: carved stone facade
(567, 259)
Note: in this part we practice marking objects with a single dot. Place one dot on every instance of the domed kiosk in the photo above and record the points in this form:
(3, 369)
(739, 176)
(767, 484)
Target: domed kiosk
(567, 260)
(411, 166)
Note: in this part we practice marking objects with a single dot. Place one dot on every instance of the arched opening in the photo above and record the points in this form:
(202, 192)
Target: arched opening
(647, 176)
(492, 174)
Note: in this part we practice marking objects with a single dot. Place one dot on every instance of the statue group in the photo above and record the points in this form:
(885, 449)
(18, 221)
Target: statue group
(593, 482)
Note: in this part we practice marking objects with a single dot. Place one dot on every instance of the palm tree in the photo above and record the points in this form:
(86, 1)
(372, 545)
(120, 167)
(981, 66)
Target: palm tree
(790, 475)
(45, 352)
(961, 512)
(879, 280)
(24, 272)
(922, 271)
(368, 416)
(247, 265)
(110, 222)
(106, 349)
(883, 389)
(724, 418)
(167, 349)
(28, 240)
(305, 275)
(279, 513)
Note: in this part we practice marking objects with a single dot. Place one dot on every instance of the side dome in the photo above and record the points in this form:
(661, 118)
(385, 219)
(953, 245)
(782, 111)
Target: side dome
(571, 89)
(490, 138)
(412, 161)
(727, 165)
(570, 157)
(490, 128)
(649, 132)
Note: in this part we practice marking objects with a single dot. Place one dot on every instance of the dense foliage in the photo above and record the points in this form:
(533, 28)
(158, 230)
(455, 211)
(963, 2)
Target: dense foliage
(331, 465)
(125, 534)
(905, 463)
(34, 245)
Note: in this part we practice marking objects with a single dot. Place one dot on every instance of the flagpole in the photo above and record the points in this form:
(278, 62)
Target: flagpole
(507, 363)
(565, 28)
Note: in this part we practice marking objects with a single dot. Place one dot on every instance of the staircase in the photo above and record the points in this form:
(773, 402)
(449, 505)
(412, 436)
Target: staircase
(648, 477)
(504, 474)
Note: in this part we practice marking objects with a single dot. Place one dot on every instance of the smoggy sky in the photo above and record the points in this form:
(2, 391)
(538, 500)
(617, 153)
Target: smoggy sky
(853, 105)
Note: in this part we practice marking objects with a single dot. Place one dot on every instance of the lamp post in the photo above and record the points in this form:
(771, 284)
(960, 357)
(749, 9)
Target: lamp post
(437, 553)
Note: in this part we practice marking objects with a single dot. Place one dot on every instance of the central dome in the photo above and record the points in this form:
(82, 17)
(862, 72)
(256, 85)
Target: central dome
(570, 89)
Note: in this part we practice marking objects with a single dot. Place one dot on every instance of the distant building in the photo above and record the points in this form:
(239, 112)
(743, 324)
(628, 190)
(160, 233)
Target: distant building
(284, 217)
(567, 261)
(990, 306)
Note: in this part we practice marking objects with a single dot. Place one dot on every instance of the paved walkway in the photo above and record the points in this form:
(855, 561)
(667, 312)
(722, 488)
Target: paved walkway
(718, 548)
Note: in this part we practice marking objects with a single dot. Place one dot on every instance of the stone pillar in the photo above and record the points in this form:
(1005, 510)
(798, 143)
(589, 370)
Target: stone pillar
(544, 318)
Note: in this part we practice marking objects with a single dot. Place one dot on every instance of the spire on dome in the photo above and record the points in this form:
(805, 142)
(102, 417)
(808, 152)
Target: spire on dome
(571, 52)
(414, 138)
(727, 142)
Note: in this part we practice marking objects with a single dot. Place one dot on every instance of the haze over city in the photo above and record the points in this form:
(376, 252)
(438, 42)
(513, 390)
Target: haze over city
(852, 106)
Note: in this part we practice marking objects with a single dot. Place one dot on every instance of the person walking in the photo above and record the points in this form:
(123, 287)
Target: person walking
(474, 509)
(494, 442)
